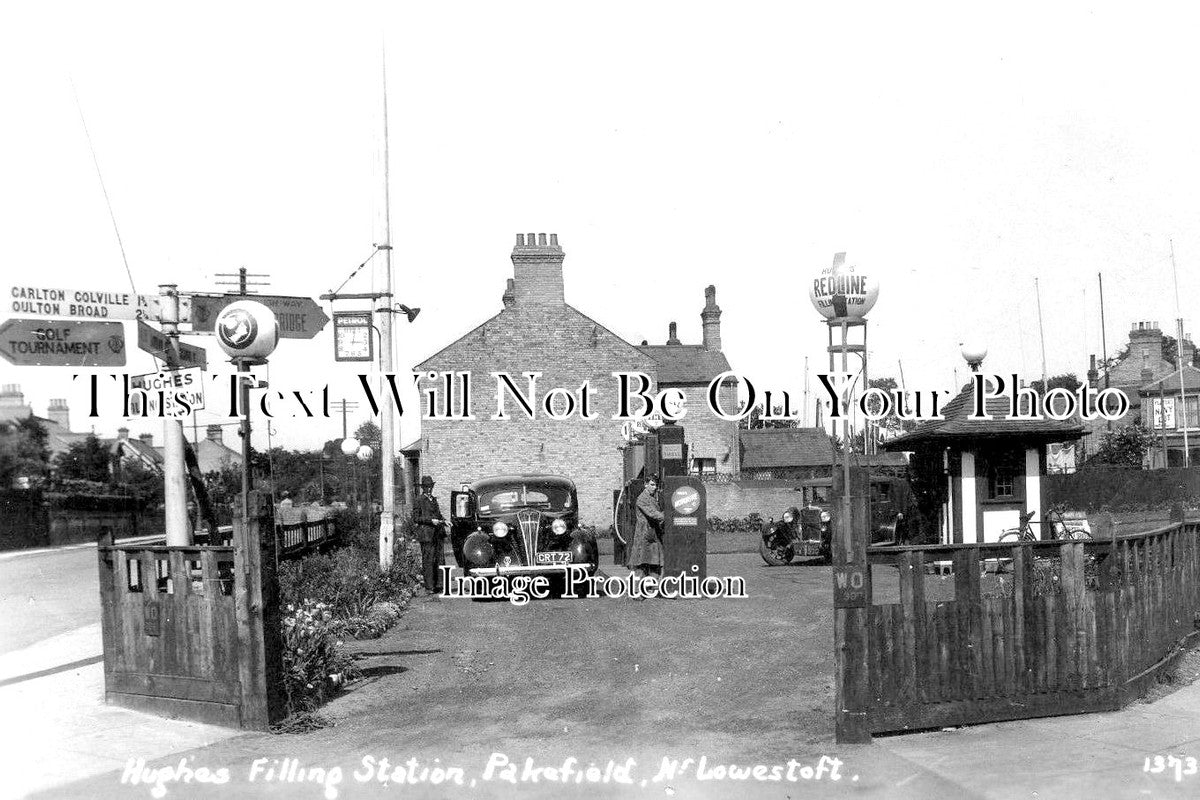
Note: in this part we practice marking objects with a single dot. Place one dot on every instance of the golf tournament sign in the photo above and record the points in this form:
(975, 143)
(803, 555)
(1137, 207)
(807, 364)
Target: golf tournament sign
(62, 343)
(843, 291)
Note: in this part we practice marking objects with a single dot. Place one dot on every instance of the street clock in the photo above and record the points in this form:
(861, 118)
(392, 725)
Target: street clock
(352, 336)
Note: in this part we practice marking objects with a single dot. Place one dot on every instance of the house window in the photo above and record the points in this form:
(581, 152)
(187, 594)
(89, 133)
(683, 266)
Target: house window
(704, 466)
(1004, 470)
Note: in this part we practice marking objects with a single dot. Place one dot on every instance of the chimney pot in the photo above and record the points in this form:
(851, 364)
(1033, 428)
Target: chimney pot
(710, 318)
(554, 240)
(520, 240)
(538, 273)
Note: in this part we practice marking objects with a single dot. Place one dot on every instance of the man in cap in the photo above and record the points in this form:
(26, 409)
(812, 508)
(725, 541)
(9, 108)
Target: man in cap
(428, 522)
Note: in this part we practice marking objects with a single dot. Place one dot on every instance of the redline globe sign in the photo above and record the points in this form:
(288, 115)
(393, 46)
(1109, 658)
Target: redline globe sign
(843, 291)
(247, 329)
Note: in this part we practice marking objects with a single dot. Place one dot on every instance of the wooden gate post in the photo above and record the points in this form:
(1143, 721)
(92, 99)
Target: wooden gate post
(259, 637)
(851, 605)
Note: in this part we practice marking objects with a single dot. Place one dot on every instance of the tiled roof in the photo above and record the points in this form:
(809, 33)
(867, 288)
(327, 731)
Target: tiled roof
(785, 447)
(958, 425)
(1169, 383)
(686, 363)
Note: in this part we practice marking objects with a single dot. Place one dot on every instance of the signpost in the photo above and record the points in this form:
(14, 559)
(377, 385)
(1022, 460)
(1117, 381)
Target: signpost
(54, 301)
(62, 343)
(158, 344)
(165, 389)
(298, 317)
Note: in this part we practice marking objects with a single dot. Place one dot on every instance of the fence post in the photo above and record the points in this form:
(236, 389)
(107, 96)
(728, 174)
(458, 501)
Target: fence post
(852, 606)
(259, 639)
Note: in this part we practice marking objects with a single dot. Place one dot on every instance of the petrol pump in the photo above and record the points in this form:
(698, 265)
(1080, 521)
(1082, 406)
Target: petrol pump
(685, 524)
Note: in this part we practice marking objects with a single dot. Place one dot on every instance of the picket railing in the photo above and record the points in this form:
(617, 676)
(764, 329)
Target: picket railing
(975, 633)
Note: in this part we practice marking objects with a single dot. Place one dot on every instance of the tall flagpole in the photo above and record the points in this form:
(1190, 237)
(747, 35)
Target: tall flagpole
(387, 519)
(1041, 331)
(1187, 456)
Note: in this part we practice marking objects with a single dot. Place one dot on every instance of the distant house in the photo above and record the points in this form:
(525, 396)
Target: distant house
(212, 454)
(57, 422)
(801, 454)
(1150, 379)
(786, 453)
(140, 452)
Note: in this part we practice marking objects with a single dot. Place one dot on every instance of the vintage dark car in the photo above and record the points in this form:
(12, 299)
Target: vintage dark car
(519, 525)
(813, 535)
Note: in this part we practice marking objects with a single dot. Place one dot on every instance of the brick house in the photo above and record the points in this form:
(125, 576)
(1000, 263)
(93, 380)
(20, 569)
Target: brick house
(538, 331)
(1149, 377)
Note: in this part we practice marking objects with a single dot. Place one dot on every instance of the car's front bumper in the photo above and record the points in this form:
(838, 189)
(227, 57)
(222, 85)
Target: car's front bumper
(530, 569)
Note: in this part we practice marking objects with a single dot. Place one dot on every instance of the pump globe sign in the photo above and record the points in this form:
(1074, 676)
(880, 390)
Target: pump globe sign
(247, 329)
(843, 291)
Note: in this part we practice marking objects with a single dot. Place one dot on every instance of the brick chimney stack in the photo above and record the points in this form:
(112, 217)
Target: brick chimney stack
(672, 338)
(711, 318)
(213, 434)
(537, 270)
(122, 433)
(509, 298)
(58, 412)
(148, 438)
(1187, 350)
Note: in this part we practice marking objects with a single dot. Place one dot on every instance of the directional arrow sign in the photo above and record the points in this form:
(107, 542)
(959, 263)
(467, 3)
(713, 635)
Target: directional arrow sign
(299, 317)
(157, 344)
(62, 343)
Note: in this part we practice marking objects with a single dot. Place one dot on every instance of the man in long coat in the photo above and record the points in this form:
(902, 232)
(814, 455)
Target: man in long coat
(645, 551)
(427, 522)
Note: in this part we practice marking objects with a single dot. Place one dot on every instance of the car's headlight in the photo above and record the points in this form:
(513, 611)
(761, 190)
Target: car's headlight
(559, 527)
(825, 516)
(500, 530)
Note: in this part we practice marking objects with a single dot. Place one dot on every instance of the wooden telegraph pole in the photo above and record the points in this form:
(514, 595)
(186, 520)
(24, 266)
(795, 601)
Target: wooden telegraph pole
(844, 296)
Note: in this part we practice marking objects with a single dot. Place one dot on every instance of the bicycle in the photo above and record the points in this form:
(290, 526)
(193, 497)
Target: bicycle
(1059, 531)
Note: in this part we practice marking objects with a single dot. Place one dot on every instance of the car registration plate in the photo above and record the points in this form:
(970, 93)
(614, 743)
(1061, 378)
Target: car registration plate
(809, 548)
(554, 558)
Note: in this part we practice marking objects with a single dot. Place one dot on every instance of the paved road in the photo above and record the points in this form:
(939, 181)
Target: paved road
(45, 594)
(747, 681)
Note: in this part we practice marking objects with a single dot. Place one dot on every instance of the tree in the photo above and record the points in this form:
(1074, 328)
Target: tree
(146, 484)
(369, 434)
(1124, 447)
(23, 450)
(86, 460)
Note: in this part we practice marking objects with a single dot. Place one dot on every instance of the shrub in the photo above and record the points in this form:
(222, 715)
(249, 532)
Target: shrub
(348, 580)
(314, 662)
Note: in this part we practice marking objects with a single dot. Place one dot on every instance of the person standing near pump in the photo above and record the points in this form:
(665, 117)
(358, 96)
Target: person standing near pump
(428, 522)
(645, 551)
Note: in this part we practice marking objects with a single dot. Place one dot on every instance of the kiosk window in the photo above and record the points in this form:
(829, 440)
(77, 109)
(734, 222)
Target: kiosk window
(704, 466)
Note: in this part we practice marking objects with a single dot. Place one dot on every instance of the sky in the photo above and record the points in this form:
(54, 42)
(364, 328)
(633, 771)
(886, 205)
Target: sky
(957, 153)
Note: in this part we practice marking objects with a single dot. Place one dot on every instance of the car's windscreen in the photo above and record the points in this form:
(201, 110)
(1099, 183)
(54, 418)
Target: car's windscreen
(541, 496)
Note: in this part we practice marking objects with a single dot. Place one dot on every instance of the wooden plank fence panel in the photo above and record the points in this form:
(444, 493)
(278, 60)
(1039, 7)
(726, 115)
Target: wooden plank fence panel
(1045, 645)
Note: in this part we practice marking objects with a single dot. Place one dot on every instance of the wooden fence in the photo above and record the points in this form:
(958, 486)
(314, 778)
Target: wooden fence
(297, 538)
(977, 633)
(194, 632)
